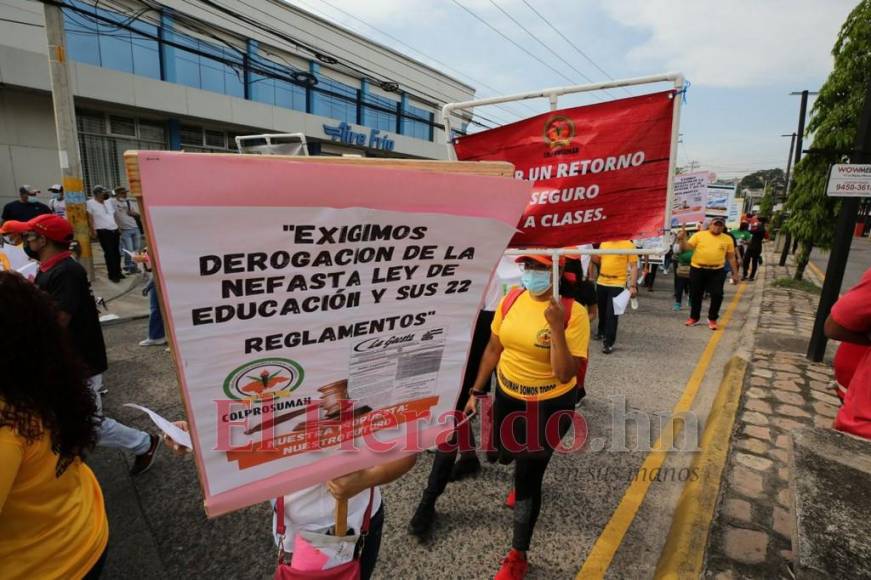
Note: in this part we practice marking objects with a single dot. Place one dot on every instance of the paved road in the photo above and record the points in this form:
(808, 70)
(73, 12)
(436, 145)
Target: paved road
(159, 530)
(857, 263)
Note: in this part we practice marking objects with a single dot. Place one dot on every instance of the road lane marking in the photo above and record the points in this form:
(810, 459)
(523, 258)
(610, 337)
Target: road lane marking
(683, 555)
(606, 546)
(815, 269)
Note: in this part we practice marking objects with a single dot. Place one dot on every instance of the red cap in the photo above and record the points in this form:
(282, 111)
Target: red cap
(14, 227)
(541, 259)
(51, 226)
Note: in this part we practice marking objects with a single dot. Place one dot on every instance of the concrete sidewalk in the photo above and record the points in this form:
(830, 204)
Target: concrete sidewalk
(752, 530)
(123, 300)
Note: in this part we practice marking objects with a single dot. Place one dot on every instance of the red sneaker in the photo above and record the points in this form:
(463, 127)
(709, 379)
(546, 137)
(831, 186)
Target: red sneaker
(511, 499)
(514, 566)
(691, 322)
(712, 324)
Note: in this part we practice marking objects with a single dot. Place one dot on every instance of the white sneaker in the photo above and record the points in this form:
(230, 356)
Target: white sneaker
(153, 342)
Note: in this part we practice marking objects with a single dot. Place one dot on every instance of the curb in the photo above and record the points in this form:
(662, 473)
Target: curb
(123, 319)
(683, 555)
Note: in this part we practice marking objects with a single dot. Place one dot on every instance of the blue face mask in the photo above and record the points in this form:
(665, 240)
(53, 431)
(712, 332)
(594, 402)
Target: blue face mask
(536, 281)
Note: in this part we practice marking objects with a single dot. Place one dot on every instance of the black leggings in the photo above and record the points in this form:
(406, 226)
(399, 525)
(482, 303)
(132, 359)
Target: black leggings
(751, 263)
(446, 454)
(531, 455)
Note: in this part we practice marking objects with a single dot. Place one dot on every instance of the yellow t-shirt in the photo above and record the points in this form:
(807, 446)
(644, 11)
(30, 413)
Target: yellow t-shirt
(50, 527)
(709, 251)
(612, 269)
(524, 369)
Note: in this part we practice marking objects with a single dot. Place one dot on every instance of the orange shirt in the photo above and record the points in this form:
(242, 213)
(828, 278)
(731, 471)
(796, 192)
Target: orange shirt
(50, 527)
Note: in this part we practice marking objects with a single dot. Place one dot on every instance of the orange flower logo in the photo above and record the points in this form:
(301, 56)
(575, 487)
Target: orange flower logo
(559, 131)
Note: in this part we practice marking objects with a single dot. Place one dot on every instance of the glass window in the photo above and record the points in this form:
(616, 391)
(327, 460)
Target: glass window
(275, 91)
(122, 126)
(83, 43)
(152, 131)
(191, 135)
(109, 43)
(216, 139)
(418, 123)
(197, 70)
(379, 118)
(340, 105)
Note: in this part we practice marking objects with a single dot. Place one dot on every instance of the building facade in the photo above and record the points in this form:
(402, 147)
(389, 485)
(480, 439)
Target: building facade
(193, 74)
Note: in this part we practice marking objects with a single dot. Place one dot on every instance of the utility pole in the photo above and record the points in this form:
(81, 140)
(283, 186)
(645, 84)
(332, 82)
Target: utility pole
(787, 240)
(843, 238)
(67, 137)
(789, 163)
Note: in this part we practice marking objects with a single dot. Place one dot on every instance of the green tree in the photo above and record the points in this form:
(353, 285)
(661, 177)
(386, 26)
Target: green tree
(763, 178)
(833, 125)
(766, 204)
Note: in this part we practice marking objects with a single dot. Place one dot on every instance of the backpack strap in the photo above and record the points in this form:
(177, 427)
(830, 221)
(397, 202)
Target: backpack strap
(514, 294)
(510, 299)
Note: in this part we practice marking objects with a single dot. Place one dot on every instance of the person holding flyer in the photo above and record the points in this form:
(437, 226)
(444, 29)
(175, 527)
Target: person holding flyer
(537, 346)
(610, 284)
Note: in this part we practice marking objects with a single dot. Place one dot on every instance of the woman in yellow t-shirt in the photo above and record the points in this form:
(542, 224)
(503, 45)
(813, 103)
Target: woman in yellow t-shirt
(52, 519)
(536, 349)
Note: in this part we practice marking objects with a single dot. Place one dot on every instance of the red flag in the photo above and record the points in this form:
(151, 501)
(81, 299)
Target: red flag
(600, 171)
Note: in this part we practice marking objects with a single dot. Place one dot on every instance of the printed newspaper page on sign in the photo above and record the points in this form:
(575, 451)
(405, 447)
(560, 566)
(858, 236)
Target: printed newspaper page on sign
(320, 315)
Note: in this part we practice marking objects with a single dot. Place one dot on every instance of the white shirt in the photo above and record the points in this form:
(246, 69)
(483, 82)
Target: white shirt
(103, 214)
(124, 211)
(14, 259)
(58, 206)
(314, 509)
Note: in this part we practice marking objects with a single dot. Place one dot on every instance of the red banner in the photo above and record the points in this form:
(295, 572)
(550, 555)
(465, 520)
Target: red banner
(600, 171)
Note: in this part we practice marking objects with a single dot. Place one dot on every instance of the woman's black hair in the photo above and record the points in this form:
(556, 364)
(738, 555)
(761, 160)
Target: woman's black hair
(42, 393)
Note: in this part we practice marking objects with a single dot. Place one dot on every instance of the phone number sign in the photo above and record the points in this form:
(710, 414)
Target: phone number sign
(849, 180)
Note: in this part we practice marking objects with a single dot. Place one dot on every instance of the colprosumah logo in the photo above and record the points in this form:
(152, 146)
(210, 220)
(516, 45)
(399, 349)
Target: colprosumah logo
(265, 378)
(559, 131)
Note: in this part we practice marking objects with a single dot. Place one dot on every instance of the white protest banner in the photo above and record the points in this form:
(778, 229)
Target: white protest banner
(719, 199)
(690, 198)
(291, 287)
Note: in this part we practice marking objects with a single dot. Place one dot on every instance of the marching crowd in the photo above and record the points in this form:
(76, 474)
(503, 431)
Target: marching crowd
(530, 348)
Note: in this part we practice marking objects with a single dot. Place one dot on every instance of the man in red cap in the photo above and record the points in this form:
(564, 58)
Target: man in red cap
(48, 240)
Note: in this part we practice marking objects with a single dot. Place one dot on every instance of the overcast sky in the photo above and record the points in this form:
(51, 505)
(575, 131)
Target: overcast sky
(742, 57)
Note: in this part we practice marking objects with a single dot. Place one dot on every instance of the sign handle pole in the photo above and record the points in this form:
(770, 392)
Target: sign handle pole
(816, 349)
(341, 517)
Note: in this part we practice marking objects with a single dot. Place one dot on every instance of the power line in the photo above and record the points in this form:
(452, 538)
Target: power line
(34, 24)
(573, 45)
(503, 35)
(432, 58)
(539, 41)
(364, 73)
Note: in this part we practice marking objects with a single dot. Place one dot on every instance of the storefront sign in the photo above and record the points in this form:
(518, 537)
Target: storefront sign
(328, 284)
(343, 133)
(600, 172)
(849, 180)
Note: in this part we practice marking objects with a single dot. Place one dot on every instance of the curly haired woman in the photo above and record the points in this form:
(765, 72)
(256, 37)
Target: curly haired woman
(52, 519)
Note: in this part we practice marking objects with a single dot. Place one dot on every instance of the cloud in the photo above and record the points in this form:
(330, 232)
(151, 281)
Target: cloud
(736, 43)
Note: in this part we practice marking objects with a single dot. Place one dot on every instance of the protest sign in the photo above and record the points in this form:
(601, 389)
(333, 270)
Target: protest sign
(600, 172)
(292, 287)
(720, 198)
(690, 198)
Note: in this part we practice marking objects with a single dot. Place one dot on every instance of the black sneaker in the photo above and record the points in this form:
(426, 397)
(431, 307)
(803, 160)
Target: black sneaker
(466, 466)
(607, 349)
(422, 520)
(143, 462)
